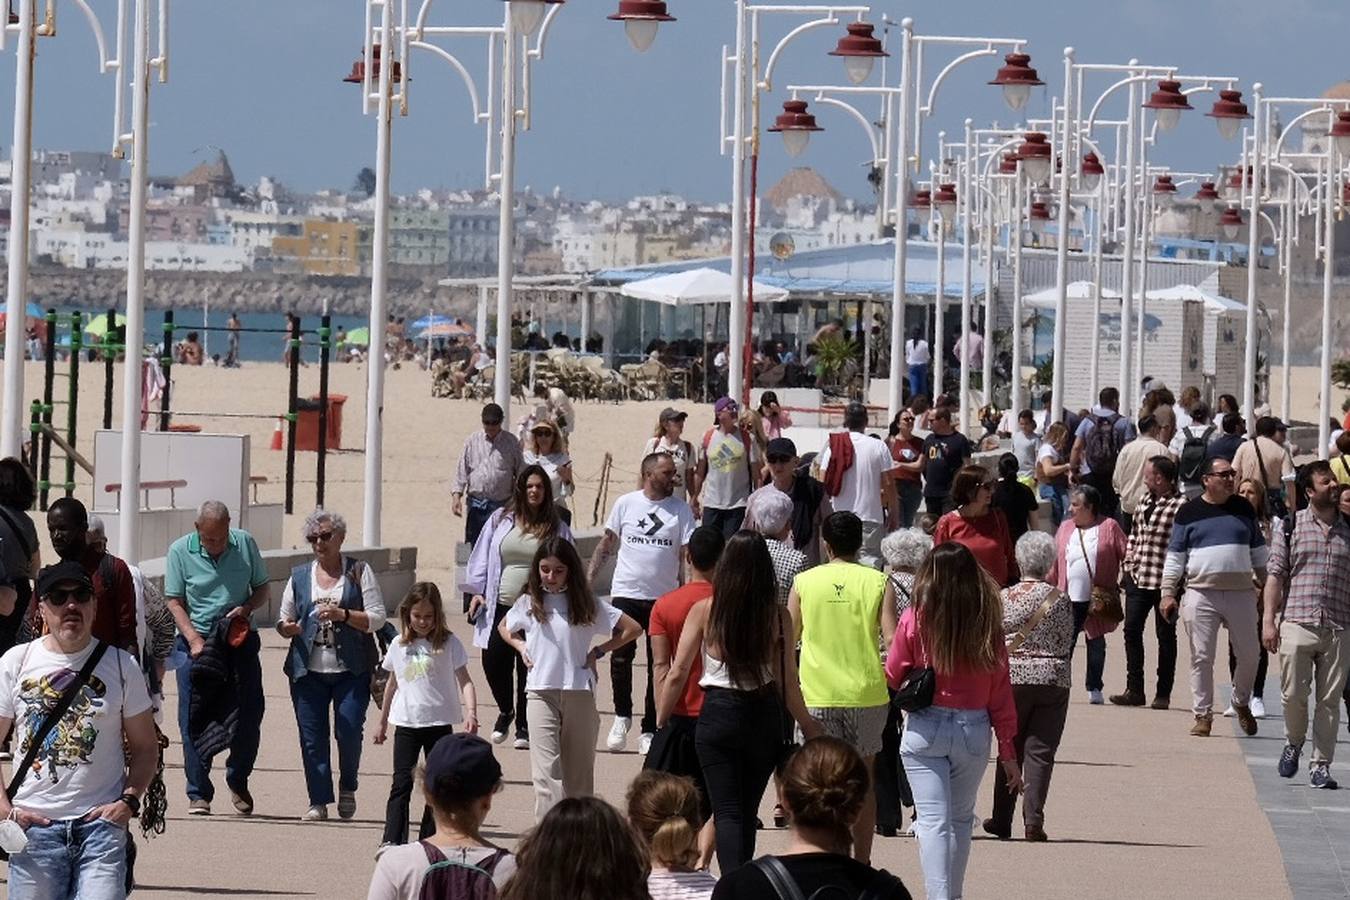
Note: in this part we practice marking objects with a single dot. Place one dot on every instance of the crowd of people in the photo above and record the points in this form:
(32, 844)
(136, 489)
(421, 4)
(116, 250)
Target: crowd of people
(860, 627)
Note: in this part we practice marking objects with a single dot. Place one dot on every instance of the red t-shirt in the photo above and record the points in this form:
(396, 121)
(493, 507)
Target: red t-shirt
(907, 451)
(987, 537)
(667, 618)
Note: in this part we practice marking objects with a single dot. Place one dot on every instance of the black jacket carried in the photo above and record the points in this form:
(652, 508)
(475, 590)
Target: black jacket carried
(213, 708)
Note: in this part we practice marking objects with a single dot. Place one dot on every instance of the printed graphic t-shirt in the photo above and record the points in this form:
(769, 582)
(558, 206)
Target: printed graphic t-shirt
(728, 483)
(80, 765)
(651, 533)
(428, 692)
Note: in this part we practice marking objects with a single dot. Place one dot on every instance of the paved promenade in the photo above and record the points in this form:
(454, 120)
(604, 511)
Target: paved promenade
(1138, 809)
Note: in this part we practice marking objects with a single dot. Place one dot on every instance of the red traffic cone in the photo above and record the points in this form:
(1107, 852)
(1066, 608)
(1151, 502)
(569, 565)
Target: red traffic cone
(277, 441)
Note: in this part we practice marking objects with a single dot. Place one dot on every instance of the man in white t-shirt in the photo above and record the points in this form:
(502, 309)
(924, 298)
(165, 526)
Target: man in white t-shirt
(866, 487)
(79, 794)
(648, 529)
(726, 469)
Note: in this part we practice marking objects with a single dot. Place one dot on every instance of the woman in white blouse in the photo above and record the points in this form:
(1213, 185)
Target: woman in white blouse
(546, 447)
(329, 610)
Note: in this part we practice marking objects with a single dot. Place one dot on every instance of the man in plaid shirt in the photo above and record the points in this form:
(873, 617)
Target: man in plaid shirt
(1309, 582)
(1143, 584)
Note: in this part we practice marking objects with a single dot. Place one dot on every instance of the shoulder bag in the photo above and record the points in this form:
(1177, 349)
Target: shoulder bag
(917, 688)
(1105, 602)
(1041, 612)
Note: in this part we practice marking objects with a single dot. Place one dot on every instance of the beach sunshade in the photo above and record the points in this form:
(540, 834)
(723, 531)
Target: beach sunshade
(98, 325)
(32, 310)
(359, 337)
(695, 287)
(448, 328)
(431, 321)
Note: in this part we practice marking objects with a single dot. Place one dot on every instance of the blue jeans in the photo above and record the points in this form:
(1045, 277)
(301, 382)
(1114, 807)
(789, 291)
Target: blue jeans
(348, 695)
(71, 859)
(247, 734)
(918, 380)
(1059, 502)
(945, 752)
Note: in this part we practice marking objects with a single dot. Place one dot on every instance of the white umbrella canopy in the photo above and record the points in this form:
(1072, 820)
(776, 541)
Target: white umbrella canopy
(695, 287)
(1075, 290)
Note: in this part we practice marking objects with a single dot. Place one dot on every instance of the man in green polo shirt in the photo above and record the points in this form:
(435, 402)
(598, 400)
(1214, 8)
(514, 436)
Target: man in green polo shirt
(217, 573)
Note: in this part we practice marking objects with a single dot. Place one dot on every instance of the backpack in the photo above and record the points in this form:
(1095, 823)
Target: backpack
(1193, 454)
(882, 885)
(446, 879)
(1103, 445)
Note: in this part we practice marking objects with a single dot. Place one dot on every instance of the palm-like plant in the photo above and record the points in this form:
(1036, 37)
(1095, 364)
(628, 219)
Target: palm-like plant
(1340, 374)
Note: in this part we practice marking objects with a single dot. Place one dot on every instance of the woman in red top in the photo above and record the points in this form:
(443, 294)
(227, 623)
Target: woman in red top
(907, 451)
(977, 525)
(956, 627)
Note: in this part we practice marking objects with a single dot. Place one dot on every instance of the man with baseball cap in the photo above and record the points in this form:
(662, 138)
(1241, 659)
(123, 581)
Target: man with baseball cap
(77, 792)
(669, 439)
(726, 471)
(810, 506)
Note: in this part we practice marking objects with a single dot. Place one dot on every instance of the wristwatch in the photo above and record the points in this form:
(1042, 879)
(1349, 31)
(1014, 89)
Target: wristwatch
(133, 803)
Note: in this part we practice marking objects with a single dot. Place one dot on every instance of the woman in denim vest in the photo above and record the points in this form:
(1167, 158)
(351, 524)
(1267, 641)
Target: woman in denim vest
(329, 610)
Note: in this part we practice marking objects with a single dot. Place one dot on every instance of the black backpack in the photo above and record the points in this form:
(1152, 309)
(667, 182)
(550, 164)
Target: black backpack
(1102, 445)
(882, 886)
(447, 879)
(1193, 453)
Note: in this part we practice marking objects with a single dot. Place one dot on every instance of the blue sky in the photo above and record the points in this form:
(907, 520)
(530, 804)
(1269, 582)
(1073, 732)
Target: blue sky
(262, 79)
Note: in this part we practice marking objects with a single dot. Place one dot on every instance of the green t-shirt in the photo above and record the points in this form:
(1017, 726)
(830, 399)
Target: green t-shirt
(840, 663)
(212, 587)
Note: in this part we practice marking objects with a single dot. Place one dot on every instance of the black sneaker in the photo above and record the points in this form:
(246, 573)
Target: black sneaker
(1289, 760)
(1320, 777)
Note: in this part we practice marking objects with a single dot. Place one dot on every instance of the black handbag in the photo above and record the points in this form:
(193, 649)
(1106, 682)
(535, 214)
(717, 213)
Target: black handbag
(916, 688)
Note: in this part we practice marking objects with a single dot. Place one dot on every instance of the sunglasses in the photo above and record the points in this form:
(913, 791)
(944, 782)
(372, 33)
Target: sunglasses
(1228, 474)
(62, 596)
(321, 536)
(775, 459)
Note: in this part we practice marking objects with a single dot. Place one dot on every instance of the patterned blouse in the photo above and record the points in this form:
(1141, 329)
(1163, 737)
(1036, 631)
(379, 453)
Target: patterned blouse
(1043, 657)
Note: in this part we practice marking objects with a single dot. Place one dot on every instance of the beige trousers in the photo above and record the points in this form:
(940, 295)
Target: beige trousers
(1318, 658)
(1203, 612)
(563, 729)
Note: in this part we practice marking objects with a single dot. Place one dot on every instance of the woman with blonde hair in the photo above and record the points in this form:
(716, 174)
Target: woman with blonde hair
(546, 447)
(953, 635)
(1052, 470)
(664, 808)
(668, 438)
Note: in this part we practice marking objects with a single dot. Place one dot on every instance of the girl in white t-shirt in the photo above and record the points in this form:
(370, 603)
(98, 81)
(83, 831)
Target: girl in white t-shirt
(554, 627)
(429, 692)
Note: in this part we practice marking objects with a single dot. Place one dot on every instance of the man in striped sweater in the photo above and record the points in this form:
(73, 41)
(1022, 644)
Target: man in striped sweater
(1218, 550)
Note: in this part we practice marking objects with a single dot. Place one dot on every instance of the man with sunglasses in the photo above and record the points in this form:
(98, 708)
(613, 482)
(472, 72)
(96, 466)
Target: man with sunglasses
(211, 575)
(810, 506)
(1218, 549)
(80, 792)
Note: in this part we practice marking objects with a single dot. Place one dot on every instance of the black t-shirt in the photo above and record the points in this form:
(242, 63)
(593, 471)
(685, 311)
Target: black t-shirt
(1018, 503)
(806, 496)
(946, 453)
(811, 872)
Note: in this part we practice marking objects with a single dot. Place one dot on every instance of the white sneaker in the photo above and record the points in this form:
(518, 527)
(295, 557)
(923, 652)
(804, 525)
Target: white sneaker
(316, 813)
(521, 743)
(1095, 698)
(1229, 712)
(1258, 708)
(645, 742)
(618, 733)
(498, 737)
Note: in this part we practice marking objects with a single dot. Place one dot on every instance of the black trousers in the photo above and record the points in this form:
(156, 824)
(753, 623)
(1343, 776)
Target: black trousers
(621, 665)
(500, 660)
(890, 786)
(1041, 711)
(738, 746)
(1139, 602)
(1096, 648)
(938, 506)
(410, 744)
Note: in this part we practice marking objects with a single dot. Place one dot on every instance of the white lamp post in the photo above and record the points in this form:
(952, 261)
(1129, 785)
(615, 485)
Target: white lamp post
(11, 437)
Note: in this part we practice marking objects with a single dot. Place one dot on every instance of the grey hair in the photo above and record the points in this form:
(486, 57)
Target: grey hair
(771, 511)
(1035, 552)
(213, 511)
(96, 525)
(323, 515)
(906, 548)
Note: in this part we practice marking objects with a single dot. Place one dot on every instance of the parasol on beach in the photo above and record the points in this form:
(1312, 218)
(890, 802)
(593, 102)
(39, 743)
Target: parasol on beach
(448, 328)
(98, 325)
(359, 337)
(33, 316)
(431, 321)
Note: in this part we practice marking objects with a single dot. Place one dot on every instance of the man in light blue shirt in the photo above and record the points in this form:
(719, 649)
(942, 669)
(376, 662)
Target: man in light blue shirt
(213, 574)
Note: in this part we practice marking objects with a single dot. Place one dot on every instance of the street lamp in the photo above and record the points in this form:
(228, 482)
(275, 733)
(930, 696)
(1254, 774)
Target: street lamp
(860, 50)
(527, 14)
(641, 19)
(1090, 172)
(1208, 196)
(1038, 217)
(1164, 192)
(1228, 112)
(1340, 132)
(795, 124)
(1017, 78)
(1036, 155)
(1167, 103)
(1230, 222)
(1233, 187)
(944, 198)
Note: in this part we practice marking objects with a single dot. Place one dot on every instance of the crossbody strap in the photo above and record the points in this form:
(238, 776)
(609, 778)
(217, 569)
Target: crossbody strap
(1260, 463)
(778, 877)
(1041, 612)
(1087, 562)
(40, 736)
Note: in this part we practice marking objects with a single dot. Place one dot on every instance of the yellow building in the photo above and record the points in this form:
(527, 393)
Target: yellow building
(322, 248)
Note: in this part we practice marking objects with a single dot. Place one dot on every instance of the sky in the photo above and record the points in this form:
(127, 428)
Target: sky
(262, 80)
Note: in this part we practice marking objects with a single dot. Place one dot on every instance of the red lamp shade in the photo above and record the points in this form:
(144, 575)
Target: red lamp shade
(1038, 217)
(860, 48)
(641, 19)
(1168, 102)
(1091, 171)
(944, 198)
(358, 72)
(1008, 164)
(796, 125)
(1036, 155)
(921, 200)
(1340, 131)
(1207, 194)
(1164, 191)
(1017, 78)
(1232, 188)
(1228, 113)
(1231, 222)
(13, 16)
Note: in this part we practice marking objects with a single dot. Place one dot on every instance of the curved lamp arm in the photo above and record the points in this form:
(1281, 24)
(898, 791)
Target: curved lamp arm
(861, 120)
(478, 114)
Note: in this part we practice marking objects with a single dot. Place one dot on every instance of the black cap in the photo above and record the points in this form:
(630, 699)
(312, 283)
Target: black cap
(493, 415)
(67, 571)
(780, 446)
(468, 760)
(670, 414)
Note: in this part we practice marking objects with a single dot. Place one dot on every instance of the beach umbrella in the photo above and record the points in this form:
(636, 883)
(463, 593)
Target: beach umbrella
(98, 325)
(446, 329)
(696, 286)
(432, 321)
(359, 337)
(33, 316)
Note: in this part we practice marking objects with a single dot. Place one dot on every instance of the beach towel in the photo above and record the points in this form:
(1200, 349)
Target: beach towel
(841, 460)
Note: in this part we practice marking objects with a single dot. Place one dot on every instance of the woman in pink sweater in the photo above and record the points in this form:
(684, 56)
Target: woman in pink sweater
(955, 627)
